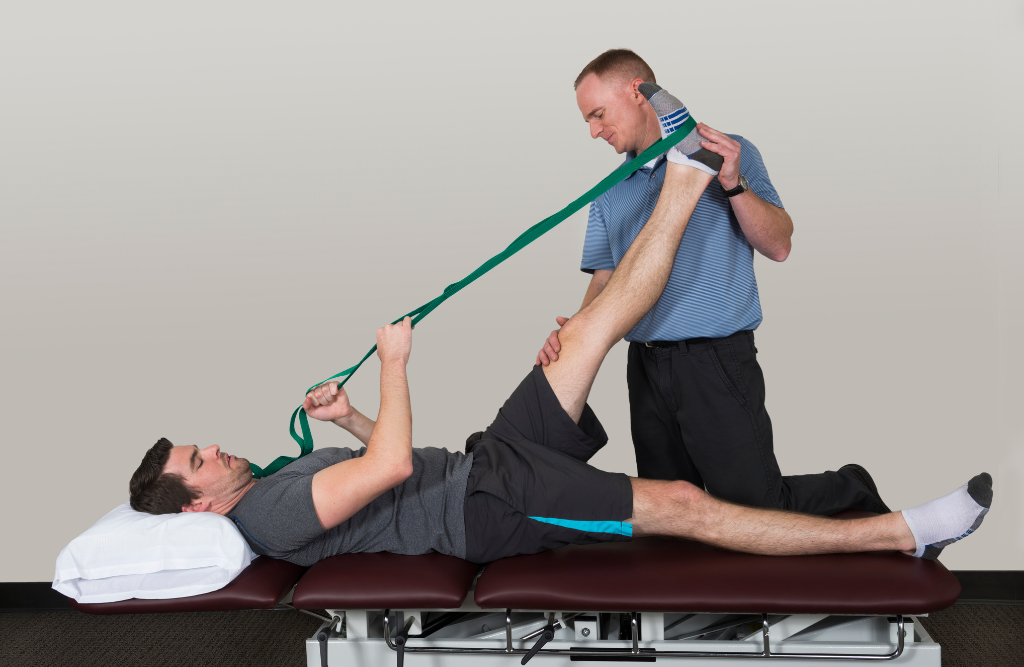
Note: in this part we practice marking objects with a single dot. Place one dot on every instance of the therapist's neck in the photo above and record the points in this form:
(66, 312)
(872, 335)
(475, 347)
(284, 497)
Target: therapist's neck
(651, 131)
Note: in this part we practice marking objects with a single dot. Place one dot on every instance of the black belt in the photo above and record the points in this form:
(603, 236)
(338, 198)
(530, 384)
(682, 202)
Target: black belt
(683, 344)
(678, 343)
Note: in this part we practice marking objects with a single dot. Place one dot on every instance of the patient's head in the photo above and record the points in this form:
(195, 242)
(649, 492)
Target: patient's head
(188, 479)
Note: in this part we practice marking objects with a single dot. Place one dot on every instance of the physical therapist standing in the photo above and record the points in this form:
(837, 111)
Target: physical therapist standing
(696, 391)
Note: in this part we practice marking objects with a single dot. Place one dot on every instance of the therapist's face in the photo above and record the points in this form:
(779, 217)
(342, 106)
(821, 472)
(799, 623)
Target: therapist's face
(615, 111)
(210, 471)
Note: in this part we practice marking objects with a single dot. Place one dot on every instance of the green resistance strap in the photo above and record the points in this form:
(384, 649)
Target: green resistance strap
(305, 441)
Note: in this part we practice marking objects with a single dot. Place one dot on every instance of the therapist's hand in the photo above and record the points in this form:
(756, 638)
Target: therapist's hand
(328, 402)
(728, 148)
(552, 347)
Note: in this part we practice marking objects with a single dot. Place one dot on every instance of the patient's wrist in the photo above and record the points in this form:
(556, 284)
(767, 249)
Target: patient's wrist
(347, 421)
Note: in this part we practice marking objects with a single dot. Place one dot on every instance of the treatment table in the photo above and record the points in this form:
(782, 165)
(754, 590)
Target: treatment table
(652, 599)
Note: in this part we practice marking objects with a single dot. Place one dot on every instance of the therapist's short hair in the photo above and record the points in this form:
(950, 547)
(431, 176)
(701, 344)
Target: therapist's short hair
(154, 491)
(619, 63)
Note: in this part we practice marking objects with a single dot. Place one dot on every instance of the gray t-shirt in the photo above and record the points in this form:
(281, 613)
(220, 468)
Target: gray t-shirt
(423, 514)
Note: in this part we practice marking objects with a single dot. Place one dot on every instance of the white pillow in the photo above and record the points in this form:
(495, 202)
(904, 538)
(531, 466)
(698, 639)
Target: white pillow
(129, 554)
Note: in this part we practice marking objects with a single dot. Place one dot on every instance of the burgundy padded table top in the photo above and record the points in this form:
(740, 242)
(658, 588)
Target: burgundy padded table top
(259, 586)
(665, 574)
(385, 581)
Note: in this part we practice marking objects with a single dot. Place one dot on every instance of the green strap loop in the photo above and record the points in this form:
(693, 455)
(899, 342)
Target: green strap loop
(305, 441)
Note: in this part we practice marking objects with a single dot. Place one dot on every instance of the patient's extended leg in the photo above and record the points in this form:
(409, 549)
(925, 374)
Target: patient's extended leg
(632, 290)
(680, 509)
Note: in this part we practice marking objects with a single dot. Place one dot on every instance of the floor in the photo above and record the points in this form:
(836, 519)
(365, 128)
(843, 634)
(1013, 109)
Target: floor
(974, 635)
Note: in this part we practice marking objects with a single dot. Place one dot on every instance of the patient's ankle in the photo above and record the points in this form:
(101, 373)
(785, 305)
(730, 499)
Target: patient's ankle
(903, 538)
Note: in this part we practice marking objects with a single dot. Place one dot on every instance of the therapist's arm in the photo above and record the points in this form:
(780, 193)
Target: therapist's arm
(345, 488)
(597, 283)
(552, 347)
(767, 227)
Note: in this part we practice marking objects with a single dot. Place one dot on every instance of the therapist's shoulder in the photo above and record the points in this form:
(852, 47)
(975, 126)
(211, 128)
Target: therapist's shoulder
(753, 167)
(750, 154)
(747, 145)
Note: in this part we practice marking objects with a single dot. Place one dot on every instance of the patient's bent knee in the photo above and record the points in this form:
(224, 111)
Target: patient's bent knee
(575, 328)
(584, 331)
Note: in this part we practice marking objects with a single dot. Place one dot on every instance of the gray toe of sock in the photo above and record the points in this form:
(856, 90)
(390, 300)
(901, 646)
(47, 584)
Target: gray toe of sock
(648, 89)
(713, 160)
(980, 489)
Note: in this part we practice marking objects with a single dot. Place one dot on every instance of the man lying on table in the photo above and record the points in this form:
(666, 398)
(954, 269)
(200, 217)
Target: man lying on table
(523, 484)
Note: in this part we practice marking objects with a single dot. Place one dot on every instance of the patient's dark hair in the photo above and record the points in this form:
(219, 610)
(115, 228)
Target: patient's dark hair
(621, 63)
(154, 491)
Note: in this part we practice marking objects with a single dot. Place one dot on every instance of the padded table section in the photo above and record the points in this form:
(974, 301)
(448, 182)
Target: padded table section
(261, 585)
(665, 574)
(385, 581)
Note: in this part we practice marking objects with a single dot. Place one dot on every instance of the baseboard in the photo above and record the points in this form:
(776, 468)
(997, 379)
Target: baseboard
(31, 596)
(991, 586)
(979, 587)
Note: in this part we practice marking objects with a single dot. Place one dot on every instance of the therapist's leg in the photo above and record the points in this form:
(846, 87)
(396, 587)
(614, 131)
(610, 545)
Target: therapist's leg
(682, 510)
(632, 290)
(727, 432)
(654, 407)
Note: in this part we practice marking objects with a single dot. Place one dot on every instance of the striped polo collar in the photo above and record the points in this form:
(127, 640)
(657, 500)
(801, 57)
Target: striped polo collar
(653, 164)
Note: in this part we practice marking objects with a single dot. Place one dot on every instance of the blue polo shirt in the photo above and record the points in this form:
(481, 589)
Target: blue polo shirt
(712, 291)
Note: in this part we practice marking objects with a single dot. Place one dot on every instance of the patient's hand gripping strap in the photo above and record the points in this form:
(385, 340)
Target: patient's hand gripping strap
(305, 441)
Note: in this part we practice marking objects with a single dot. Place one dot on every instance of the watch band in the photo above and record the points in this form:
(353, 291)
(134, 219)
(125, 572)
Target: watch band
(740, 188)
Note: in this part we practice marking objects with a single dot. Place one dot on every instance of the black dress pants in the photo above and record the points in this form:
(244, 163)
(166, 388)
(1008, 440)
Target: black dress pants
(697, 414)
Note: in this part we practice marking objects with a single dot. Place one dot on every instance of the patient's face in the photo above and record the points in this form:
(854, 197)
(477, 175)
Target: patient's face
(209, 470)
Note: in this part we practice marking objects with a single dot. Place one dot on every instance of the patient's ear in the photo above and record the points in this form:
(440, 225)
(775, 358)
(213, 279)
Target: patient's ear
(197, 506)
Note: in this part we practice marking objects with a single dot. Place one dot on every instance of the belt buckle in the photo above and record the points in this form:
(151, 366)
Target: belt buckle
(648, 344)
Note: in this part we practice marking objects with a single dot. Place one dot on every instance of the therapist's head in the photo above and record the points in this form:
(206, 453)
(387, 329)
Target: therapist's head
(607, 95)
(187, 479)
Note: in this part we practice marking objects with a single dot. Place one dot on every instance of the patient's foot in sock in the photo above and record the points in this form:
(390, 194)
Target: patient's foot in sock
(939, 523)
(671, 115)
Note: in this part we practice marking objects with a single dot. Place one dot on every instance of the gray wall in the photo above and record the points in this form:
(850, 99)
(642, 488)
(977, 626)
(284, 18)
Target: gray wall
(206, 207)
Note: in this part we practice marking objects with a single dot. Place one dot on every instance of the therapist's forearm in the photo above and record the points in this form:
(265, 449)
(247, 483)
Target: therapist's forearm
(767, 227)
(597, 284)
(358, 425)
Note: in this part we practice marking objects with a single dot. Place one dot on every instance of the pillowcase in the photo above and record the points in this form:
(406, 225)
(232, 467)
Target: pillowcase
(129, 554)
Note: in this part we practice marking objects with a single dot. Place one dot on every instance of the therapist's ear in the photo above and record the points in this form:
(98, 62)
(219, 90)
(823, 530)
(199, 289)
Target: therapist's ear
(634, 92)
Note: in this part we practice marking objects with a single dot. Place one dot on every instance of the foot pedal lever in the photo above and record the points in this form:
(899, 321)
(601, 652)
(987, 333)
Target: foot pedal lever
(402, 638)
(323, 636)
(547, 633)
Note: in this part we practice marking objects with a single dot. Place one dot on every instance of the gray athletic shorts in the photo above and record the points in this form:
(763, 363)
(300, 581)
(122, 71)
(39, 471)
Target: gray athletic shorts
(530, 488)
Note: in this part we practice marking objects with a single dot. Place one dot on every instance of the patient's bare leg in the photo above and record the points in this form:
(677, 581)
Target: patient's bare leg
(632, 290)
(680, 509)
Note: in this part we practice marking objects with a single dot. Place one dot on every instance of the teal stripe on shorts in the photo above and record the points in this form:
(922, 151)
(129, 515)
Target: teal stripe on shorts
(613, 527)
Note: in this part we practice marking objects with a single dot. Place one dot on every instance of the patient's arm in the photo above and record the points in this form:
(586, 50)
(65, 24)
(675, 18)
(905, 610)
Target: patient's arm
(330, 403)
(358, 425)
(345, 488)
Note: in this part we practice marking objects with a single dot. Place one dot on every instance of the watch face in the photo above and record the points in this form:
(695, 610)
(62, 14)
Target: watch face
(743, 183)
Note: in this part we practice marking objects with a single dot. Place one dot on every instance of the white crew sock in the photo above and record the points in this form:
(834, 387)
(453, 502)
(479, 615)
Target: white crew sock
(943, 521)
(671, 114)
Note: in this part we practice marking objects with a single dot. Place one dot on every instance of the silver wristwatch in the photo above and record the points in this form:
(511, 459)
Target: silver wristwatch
(739, 189)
